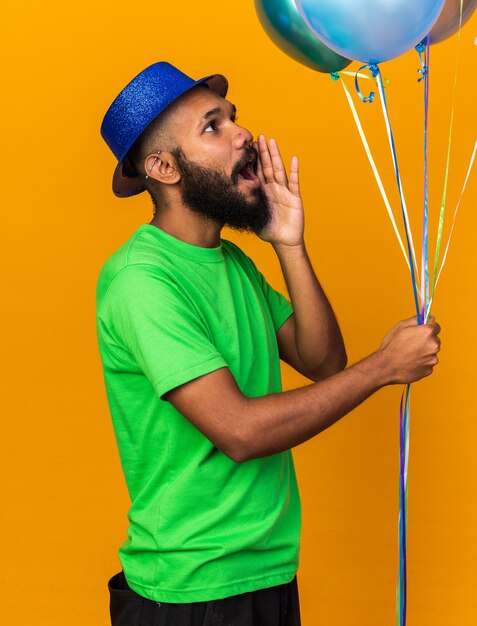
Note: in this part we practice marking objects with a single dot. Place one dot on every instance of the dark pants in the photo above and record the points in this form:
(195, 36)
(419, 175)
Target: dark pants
(276, 606)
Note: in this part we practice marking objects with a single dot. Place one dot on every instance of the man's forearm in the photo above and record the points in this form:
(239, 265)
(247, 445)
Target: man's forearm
(318, 337)
(277, 422)
(245, 427)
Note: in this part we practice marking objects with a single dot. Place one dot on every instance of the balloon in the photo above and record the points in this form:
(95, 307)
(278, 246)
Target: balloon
(370, 31)
(286, 28)
(448, 22)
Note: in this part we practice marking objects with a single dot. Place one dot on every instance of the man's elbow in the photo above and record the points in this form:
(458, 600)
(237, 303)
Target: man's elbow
(240, 445)
(239, 449)
(330, 367)
(240, 455)
(341, 363)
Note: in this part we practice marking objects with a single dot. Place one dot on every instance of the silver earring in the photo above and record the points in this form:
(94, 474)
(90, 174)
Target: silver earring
(153, 163)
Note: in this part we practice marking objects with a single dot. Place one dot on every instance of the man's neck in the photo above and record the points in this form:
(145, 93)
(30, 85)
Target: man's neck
(182, 223)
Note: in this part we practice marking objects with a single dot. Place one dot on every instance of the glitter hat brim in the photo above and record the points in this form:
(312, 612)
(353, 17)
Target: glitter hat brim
(127, 186)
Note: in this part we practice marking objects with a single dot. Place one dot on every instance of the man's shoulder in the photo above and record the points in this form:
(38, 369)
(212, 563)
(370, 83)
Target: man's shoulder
(231, 249)
(134, 257)
(119, 259)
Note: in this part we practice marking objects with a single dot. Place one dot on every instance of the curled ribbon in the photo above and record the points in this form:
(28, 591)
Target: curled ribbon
(374, 70)
(422, 49)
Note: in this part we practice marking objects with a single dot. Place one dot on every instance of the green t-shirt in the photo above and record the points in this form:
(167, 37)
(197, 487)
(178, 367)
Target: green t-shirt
(202, 527)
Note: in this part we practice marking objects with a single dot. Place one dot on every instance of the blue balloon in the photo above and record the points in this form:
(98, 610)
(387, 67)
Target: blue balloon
(370, 31)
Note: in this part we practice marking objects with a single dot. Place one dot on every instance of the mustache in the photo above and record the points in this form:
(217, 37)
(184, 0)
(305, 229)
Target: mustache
(249, 153)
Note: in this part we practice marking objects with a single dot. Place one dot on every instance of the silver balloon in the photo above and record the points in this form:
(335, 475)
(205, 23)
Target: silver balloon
(448, 21)
(287, 29)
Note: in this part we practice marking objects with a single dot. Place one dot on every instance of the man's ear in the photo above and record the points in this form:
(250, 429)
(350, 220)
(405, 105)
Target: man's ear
(163, 168)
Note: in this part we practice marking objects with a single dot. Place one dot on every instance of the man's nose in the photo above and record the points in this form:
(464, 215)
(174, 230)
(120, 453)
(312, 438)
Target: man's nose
(242, 136)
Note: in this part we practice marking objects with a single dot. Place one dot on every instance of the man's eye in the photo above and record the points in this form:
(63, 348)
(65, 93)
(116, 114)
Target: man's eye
(212, 126)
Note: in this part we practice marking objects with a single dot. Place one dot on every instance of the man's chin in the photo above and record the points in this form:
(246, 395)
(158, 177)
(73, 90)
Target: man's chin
(253, 226)
(242, 228)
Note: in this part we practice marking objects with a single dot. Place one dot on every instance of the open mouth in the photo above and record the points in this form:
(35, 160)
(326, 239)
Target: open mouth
(248, 172)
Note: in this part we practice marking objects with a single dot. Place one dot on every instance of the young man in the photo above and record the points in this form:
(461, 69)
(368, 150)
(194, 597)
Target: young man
(190, 335)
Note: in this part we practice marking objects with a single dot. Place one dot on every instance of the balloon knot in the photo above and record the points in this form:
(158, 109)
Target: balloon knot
(335, 76)
(374, 69)
(421, 46)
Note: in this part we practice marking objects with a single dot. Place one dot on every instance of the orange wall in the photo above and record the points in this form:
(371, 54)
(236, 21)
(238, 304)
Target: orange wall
(64, 502)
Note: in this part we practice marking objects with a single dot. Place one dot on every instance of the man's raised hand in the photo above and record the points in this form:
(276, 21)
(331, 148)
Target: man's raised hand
(287, 222)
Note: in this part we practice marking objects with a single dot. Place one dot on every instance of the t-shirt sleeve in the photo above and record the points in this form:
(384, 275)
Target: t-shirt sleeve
(161, 329)
(280, 307)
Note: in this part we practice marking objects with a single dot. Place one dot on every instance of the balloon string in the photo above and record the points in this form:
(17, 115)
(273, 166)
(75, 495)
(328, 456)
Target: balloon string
(373, 164)
(401, 599)
(446, 176)
(426, 300)
(376, 73)
(401, 586)
(405, 216)
(424, 54)
(354, 74)
(444, 258)
(401, 591)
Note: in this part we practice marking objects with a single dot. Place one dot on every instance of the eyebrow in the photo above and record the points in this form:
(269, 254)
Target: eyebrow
(215, 111)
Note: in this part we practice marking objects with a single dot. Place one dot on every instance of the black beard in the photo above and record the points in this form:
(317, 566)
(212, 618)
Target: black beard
(211, 193)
